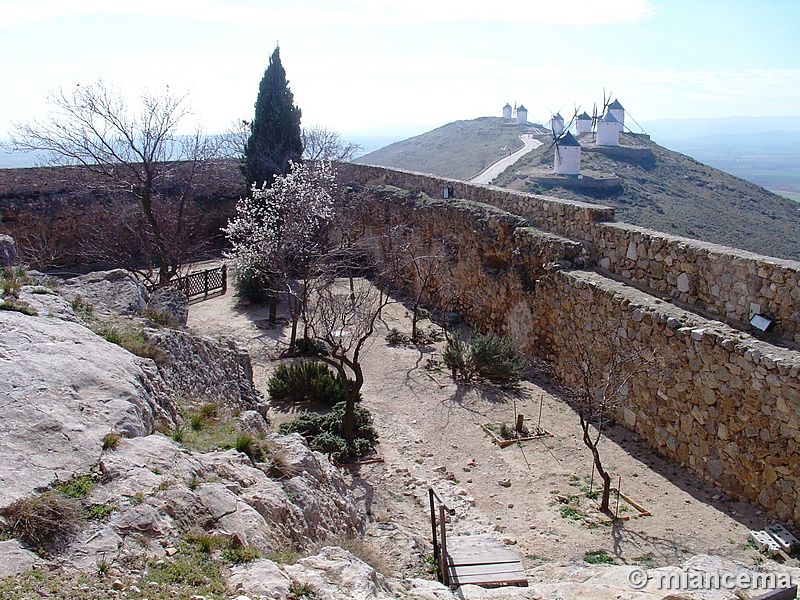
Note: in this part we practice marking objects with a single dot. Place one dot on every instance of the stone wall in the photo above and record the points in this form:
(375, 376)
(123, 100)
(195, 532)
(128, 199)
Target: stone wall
(720, 281)
(722, 403)
(57, 219)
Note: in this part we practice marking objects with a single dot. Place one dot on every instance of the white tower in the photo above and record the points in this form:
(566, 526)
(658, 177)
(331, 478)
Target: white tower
(568, 155)
(522, 115)
(557, 124)
(608, 128)
(615, 108)
(507, 111)
(583, 124)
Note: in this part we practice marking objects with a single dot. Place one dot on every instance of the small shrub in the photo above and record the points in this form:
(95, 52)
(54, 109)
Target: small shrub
(598, 557)
(250, 286)
(395, 337)
(275, 461)
(81, 308)
(203, 542)
(495, 359)
(136, 499)
(76, 487)
(240, 554)
(178, 433)
(209, 411)
(102, 566)
(197, 422)
(249, 445)
(306, 381)
(325, 433)
(98, 512)
(301, 591)
(130, 337)
(18, 306)
(44, 522)
(487, 356)
(456, 357)
(287, 556)
(111, 440)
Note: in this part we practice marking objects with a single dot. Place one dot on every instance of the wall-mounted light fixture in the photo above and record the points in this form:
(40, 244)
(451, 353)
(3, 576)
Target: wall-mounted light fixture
(761, 322)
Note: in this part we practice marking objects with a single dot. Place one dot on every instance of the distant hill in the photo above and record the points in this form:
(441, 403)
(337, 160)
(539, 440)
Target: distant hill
(648, 185)
(460, 149)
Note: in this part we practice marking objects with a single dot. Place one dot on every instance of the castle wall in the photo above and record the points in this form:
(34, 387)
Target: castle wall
(715, 279)
(721, 403)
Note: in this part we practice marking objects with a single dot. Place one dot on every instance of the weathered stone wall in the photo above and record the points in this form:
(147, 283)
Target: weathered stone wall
(56, 219)
(722, 403)
(718, 280)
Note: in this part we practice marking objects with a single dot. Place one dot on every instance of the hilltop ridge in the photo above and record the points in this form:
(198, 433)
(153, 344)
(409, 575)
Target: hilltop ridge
(650, 186)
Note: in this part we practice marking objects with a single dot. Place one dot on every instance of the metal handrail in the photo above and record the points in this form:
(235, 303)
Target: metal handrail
(440, 554)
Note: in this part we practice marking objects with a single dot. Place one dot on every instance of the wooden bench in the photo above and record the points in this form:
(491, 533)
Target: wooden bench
(471, 559)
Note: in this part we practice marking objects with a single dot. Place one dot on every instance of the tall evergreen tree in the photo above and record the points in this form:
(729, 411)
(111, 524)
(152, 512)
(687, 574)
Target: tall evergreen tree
(275, 137)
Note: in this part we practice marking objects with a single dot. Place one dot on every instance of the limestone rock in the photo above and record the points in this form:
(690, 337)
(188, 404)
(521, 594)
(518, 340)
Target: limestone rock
(14, 558)
(8, 250)
(171, 303)
(201, 367)
(334, 573)
(115, 292)
(63, 388)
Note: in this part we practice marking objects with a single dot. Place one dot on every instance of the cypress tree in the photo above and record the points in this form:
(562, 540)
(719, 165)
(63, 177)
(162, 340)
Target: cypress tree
(275, 136)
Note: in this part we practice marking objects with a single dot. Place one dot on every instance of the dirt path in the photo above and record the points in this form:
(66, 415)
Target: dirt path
(430, 433)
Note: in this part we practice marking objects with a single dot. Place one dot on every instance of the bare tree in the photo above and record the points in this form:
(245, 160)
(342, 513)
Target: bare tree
(601, 384)
(343, 318)
(321, 143)
(130, 154)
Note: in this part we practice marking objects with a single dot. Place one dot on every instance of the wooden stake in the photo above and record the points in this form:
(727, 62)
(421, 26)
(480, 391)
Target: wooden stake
(619, 486)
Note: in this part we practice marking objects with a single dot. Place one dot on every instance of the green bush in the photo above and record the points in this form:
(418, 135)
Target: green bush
(325, 433)
(76, 487)
(251, 286)
(487, 356)
(306, 381)
(240, 554)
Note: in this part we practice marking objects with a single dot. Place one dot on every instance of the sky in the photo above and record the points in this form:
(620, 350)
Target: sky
(360, 66)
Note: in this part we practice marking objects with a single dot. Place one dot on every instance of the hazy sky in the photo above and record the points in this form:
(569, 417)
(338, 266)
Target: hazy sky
(355, 65)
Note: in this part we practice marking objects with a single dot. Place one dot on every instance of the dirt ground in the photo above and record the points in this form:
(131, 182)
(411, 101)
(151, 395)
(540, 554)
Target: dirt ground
(430, 433)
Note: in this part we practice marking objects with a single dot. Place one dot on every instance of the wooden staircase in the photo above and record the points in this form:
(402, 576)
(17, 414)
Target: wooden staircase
(471, 559)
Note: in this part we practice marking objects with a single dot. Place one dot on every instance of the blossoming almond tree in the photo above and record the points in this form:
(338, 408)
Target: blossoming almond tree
(278, 237)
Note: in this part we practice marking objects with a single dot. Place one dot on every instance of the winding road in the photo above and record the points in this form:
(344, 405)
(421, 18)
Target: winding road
(493, 170)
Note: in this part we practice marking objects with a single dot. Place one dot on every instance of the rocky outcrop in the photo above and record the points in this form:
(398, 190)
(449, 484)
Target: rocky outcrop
(205, 369)
(114, 292)
(62, 388)
(170, 303)
(162, 491)
(8, 251)
(334, 574)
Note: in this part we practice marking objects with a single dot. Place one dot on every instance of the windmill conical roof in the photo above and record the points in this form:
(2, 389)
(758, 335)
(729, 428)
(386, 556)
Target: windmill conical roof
(507, 105)
(584, 117)
(521, 107)
(558, 116)
(567, 140)
(616, 105)
(609, 118)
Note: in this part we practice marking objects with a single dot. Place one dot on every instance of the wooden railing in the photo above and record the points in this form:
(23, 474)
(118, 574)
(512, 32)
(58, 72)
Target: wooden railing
(204, 282)
(201, 283)
(440, 545)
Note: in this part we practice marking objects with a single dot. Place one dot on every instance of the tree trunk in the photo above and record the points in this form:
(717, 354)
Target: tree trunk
(592, 445)
(273, 310)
